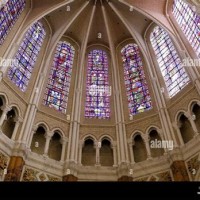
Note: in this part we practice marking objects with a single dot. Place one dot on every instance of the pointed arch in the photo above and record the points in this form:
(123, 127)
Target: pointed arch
(169, 62)
(139, 99)
(9, 13)
(57, 90)
(97, 89)
(189, 22)
(20, 71)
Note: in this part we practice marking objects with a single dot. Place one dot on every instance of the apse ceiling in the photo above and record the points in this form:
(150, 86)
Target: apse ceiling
(81, 19)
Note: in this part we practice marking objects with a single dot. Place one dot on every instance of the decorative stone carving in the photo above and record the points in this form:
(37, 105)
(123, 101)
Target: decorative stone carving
(144, 179)
(3, 163)
(29, 175)
(53, 179)
(36, 175)
(153, 178)
(193, 166)
(165, 176)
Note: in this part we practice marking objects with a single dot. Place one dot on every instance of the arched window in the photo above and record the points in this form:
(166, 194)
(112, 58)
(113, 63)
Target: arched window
(10, 10)
(186, 130)
(189, 21)
(57, 91)
(155, 138)
(97, 90)
(55, 147)
(106, 153)
(26, 56)
(139, 149)
(169, 61)
(1, 106)
(137, 91)
(8, 125)
(196, 113)
(38, 141)
(88, 153)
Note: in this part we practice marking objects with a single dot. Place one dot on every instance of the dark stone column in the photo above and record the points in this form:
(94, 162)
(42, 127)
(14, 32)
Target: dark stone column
(179, 171)
(14, 169)
(70, 178)
(125, 179)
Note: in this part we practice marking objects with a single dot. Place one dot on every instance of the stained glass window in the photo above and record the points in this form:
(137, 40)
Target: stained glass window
(97, 89)
(9, 13)
(57, 91)
(26, 56)
(137, 91)
(169, 61)
(189, 22)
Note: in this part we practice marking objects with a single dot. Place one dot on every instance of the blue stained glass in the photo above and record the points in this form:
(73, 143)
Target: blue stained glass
(170, 64)
(57, 91)
(26, 56)
(9, 14)
(97, 89)
(137, 91)
(189, 21)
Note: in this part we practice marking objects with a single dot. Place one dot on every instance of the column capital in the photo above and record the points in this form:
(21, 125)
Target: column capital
(7, 109)
(114, 144)
(188, 115)
(1, 75)
(192, 117)
(64, 140)
(177, 125)
(131, 142)
(48, 135)
(18, 119)
(146, 138)
(34, 128)
(81, 143)
(97, 144)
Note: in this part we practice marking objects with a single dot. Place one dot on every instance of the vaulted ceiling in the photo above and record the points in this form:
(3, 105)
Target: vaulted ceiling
(81, 19)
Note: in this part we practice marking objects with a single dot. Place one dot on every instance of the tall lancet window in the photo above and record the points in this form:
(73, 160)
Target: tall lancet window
(97, 89)
(169, 61)
(57, 90)
(10, 10)
(137, 91)
(26, 56)
(189, 22)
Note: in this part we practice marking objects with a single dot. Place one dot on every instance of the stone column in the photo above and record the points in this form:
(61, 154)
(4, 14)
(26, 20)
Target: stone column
(9, 54)
(131, 144)
(3, 116)
(17, 123)
(114, 147)
(119, 112)
(194, 127)
(81, 143)
(177, 128)
(14, 169)
(46, 148)
(64, 144)
(76, 108)
(98, 147)
(146, 140)
(31, 136)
